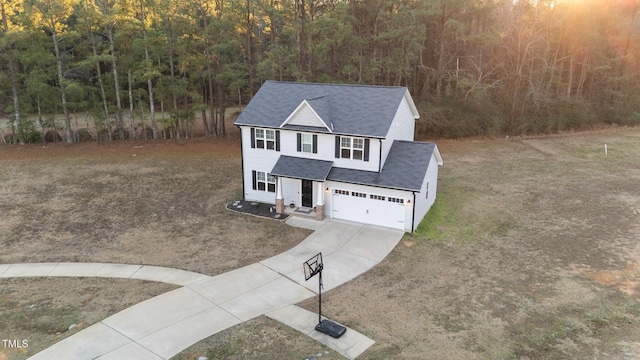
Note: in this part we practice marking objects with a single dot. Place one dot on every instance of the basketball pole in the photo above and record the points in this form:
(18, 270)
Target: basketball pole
(312, 267)
(320, 297)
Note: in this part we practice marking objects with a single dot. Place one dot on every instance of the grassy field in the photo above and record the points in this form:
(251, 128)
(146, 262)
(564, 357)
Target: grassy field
(531, 251)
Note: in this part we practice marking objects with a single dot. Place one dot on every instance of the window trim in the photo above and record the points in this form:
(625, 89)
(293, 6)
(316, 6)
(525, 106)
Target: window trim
(264, 181)
(346, 148)
(267, 139)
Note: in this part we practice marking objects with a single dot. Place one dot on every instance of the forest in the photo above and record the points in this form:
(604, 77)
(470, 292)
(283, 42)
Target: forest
(473, 67)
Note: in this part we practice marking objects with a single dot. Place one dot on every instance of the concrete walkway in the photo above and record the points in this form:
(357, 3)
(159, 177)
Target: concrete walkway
(163, 326)
(122, 271)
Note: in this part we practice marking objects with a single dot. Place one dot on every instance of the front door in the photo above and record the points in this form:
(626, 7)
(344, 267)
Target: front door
(307, 193)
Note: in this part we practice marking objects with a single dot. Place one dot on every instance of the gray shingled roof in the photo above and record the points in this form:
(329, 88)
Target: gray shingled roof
(405, 168)
(352, 109)
(300, 168)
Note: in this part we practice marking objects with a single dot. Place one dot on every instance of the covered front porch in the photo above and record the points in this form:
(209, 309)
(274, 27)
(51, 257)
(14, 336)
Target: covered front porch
(300, 185)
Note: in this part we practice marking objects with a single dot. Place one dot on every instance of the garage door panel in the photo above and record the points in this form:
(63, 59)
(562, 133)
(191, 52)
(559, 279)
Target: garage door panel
(376, 210)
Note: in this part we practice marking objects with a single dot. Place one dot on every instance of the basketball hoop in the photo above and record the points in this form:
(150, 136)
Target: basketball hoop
(310, 268)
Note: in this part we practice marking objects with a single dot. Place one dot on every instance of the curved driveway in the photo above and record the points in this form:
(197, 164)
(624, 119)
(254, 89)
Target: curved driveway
(162, 326)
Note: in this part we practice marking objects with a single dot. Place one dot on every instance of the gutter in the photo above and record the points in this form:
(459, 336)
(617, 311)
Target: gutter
(413, 213)
(380, 157)
(242, 161)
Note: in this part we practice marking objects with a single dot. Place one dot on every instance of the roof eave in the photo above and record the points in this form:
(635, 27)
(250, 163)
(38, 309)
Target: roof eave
(436, 153)
(412, 105)
(373, 185)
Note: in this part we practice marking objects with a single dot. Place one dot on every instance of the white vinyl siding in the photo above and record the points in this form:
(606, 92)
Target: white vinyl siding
(402, 128)
(325, 144)
(305, 116)
(427, 196)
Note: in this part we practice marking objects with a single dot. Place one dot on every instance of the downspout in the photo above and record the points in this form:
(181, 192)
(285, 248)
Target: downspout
(413, 213)
(242, 161)
(380, 156)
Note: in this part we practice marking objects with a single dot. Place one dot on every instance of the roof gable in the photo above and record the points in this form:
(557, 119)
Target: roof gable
(308, 113)
(345, 109)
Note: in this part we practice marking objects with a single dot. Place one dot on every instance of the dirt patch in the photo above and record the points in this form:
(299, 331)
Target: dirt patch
(159, 203)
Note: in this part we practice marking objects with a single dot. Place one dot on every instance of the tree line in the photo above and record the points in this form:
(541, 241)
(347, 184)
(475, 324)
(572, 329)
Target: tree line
(473, 66)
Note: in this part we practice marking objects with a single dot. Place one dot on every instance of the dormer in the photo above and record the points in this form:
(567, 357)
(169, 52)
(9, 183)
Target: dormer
(311, 113)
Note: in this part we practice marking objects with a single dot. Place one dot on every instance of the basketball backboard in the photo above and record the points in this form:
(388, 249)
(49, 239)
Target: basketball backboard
(312, 266)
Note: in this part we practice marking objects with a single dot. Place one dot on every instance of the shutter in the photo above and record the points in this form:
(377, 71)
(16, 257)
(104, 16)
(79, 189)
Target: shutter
(277, 140)
(315, 144)
(299, 144)
(366, 149)
(253, 137)
(255, 179)
(337, 147)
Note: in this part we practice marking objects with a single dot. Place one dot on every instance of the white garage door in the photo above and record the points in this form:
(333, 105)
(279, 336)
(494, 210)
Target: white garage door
(369, 208)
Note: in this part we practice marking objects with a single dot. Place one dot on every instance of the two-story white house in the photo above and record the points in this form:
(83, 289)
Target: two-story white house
(345, 151)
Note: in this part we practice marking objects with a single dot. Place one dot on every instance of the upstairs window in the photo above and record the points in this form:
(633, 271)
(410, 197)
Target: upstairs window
(352, 148)
(265, 139)
(307, 143)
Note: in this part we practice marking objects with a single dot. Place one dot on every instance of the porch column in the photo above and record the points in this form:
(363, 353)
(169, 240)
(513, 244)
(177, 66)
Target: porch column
(320, 202)
(279, 198)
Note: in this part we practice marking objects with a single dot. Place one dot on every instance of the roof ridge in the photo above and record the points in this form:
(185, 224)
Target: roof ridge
(336, 84)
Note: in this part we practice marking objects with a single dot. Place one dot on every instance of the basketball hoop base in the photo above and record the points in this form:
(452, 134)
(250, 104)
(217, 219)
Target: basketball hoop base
(330, 328)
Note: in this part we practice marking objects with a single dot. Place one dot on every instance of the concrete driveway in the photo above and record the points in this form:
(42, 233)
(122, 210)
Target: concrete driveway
(163, 326)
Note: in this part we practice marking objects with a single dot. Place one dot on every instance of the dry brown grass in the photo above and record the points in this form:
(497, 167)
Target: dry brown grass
(531, 251)
(157, 203)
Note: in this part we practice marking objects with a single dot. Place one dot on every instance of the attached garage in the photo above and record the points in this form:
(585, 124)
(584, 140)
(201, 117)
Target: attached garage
(368, 207)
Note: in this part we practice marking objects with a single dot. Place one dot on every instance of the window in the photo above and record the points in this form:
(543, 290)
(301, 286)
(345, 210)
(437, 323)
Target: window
(340, 192)
(427, 190)
(345, 148)
(265, 139)
(307, 143)
(271, 183)
(396, 200)
(358, 148)
(358, 194)
(352, 148)
(377, 197)
(264, 182)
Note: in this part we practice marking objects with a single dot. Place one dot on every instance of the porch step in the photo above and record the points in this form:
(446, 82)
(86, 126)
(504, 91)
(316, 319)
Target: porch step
(301, 212)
